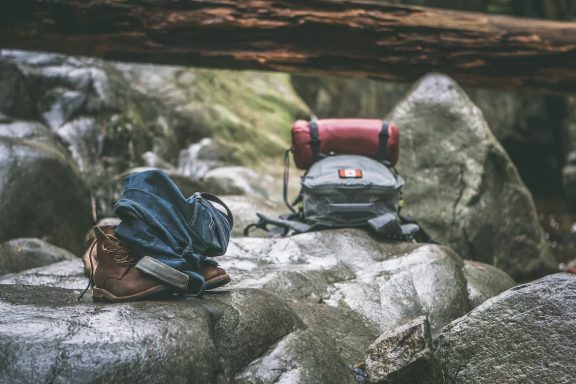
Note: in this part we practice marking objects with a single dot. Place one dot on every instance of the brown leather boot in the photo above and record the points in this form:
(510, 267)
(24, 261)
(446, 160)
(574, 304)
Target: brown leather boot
(114, 276)
(89, 257)
(215, 277)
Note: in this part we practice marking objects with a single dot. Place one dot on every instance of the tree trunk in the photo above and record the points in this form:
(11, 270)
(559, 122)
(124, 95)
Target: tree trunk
(366, 38)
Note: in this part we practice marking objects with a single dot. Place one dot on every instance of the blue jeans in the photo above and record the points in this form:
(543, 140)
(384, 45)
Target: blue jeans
(155, 216)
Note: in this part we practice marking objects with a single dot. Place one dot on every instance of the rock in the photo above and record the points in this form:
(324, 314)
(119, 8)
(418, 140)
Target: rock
(212, 339)
(524, 335)
(244, 209)
(310, 361)
(199, 158)
(485, 281)
(42, 194)
(405, 355)
(112, 116)
(461, 185)
(246, 113)
(341, 328)
(15, 97)
(21, 254)
(238, 181)
(342, 277)
(67, 274)
(386, 284)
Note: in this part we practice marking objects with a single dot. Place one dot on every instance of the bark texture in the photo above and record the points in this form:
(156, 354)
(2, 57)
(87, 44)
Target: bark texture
(366, 38)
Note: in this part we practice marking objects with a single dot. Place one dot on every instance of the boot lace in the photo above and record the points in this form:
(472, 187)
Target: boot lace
(115, 247)
(91, 279)
(120, 252)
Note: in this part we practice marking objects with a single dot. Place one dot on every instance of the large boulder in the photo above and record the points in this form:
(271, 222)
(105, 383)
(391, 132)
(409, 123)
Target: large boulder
(21, 254)
(461, 185)
(524, 335)
(386, 284)
(344, 286)
(213, 339)
(41, 191)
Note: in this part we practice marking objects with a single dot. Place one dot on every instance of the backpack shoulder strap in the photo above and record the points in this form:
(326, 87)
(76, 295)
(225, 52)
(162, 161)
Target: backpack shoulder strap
(286, 225)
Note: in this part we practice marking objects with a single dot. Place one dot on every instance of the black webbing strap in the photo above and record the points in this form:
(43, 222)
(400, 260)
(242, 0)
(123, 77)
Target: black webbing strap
(314, 141)
(383, 141)
(211, 197)
(286, 179)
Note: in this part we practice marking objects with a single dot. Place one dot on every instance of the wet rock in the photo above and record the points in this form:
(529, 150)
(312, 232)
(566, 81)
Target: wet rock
(21, 254)
(405, 355)
(42, 194)
(461, 185)
(238, 181)
(342, 329)
(382, 285)
(524, 335)
(311, 361)
(386, 284)
(67, 274)
(217, 338)
(485, 281)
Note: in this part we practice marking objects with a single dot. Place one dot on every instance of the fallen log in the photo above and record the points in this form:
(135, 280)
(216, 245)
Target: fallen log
(366, 38)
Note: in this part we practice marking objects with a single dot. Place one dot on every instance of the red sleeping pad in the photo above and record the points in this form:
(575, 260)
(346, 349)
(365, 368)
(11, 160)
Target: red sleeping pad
(373, 138)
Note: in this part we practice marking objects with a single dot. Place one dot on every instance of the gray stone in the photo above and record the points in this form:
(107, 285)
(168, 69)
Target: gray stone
(67, 274)
(199, 158)
(244, 209)
(484, 281)
(524, 335)
(345, 285)
(461, 185)
(21, 254)
(300, 358)
(404, 356)
(238, 181)
(386, 284)
(342, 329)
(42, 194)
(47, 336)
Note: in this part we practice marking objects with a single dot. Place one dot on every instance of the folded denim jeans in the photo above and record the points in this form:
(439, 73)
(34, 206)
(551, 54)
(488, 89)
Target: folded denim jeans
(155, 216)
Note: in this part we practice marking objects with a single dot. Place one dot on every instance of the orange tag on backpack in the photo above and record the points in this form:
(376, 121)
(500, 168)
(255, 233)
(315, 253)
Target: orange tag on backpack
(350, 173)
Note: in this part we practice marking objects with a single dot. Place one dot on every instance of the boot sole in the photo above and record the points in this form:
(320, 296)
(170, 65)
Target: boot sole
(99, 294)
(217, 282)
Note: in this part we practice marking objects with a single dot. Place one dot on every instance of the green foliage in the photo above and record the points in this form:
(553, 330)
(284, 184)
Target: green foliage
(249, 114)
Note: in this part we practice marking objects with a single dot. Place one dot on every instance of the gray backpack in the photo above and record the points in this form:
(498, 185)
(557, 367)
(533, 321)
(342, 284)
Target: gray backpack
(345, 191)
